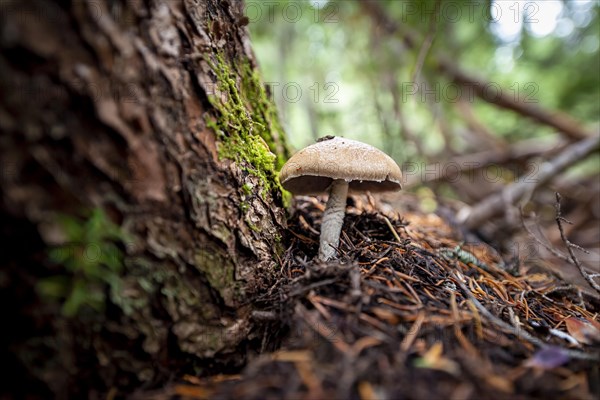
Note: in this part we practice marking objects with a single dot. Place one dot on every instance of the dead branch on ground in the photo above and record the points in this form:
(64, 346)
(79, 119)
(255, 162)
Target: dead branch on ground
(570, 246)
(517, 152)
(497, 203)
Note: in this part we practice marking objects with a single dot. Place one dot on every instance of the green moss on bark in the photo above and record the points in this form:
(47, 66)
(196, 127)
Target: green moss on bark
(247, 124)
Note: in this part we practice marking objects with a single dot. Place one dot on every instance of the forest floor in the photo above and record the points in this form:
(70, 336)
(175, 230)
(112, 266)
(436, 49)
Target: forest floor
(409, 311)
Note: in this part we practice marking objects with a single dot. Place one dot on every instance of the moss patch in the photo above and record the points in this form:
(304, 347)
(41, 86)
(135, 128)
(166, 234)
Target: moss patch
(247, 189)
(247, 123)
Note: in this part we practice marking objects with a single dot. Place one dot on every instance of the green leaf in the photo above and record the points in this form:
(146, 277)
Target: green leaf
(76, 299)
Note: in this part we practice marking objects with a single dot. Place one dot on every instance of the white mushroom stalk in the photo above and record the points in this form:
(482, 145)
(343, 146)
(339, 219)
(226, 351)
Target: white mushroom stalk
(333, 219)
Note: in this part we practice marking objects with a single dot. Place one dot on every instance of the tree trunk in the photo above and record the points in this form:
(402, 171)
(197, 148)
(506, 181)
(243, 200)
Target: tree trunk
(141, 212)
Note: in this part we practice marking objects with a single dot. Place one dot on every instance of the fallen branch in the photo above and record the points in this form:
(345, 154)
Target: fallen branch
(570, 246)
(519, 151)
(545, 245)
(497, 203)
(562, 122)
(411, 39)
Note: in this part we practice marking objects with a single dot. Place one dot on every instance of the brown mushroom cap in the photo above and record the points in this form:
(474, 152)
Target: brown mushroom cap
(364, 167)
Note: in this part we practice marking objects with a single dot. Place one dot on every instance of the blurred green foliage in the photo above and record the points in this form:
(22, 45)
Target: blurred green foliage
(333, 70)
(91, 262)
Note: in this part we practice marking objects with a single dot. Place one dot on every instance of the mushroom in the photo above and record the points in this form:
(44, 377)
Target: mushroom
(336, 165)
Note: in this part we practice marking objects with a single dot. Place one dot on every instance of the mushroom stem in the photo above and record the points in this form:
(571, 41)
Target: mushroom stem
(333, 218)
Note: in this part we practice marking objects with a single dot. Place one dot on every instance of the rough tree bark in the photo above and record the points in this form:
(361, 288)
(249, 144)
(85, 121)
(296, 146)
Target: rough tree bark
(153, 112)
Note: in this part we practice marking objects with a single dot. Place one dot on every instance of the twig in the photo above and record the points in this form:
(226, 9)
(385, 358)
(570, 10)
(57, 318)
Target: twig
(389, 224)
(308, 288)
(571, 246)
(541, 243)
(426, 43)
(563, 335)
(413, 332)
(495, 320)
(319, 327)
(495, 204)
(515, 331)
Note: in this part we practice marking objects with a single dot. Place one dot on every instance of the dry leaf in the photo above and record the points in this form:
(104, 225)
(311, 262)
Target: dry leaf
(583, 330)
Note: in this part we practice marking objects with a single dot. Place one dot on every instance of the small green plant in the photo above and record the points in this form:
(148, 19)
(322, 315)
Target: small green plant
(92, 260)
